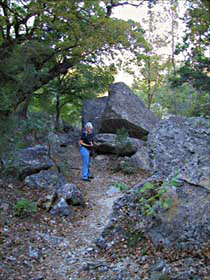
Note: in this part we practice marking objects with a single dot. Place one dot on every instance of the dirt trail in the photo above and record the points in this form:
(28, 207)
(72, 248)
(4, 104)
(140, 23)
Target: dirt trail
(67, 259)
(100, 195)
(46, 247)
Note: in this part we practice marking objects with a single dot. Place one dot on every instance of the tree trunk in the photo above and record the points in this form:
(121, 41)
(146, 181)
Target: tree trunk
(23, 112)
(57, 119)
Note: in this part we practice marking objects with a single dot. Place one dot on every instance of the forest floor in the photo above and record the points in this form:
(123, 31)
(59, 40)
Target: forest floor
(40, 246)
(46, 247)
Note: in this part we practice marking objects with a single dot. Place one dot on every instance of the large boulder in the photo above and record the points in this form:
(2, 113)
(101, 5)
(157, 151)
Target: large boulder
(108, 143)
(93, 110)
(71, 194)
(181, 224)
(64, 150)
(140, 159)
(124, 109)
(28, 161)
(182, 146)
(171, 208)
(61, 194)
(45, 179)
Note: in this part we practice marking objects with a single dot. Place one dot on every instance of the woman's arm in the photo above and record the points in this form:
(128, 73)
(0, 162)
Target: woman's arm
(84, 144)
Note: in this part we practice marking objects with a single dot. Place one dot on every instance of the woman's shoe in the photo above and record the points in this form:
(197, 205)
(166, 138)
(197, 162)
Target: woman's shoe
(90, 177)
(86, 180)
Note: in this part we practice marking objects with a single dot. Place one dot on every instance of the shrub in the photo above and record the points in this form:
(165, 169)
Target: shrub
(121, 186)
(25, 207)
(155, 196)
(128, 168)
(123, 144)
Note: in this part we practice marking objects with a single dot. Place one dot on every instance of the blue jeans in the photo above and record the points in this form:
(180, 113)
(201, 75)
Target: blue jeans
(86, 162)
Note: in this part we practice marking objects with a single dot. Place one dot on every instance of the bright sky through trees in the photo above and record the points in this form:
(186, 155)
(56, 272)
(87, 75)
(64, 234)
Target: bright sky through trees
(163, 26)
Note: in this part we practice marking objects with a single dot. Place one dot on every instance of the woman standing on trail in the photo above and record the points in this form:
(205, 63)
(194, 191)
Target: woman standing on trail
(86, 148)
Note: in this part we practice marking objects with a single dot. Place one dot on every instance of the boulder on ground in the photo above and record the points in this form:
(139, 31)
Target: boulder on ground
(61, 194)
(124, 109)
(28, 161)
(67, 196)
(71, 194)
(182, 146)
(93, 110)
(180, 224)
(141, 160)
(108, 143)
(61, 208)
(64, 150)
(45, 179)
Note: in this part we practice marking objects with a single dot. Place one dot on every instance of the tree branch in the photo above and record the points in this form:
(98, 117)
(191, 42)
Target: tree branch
(112, 5)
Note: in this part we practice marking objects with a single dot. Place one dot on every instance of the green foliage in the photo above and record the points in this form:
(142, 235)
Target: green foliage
(123, 144)
(63, 97)
(18, 133)
(25, 207)
(41, 40)
(195, 49)
(181, 100)
(38, 125)
(122, 135)
(128, 168)
(134, 238)
(154, 196)
(121, 186)
(151, 78)
(180, 88)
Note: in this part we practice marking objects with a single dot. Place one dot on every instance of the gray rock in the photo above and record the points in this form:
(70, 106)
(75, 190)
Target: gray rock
(47, 201)
(61, 194)
(124, 109)
(160, 265)
(183, 225)
(61, 208)
(93, 110)
(182, 145)
(109, 144)
(71, 194)
(101, 243)
(141, 159)
(45, 179)
(64, 154)
(28, 161)
(35, 253)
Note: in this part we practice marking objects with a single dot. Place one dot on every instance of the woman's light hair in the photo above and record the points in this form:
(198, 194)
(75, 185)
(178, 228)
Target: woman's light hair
(89, 125)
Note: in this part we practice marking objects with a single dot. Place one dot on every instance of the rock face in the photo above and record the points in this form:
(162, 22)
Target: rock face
(179, 195)
(141, 160)
(121, 109)
(45, 179)
(93, 110)
(125, 110)
(181, 226)
(181, 145)
(62, 195)
(109, 144)
(29, 161)
(64, 149)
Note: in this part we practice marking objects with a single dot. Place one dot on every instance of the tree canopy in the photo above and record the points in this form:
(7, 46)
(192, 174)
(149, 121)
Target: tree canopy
(40, 40)
(195, 46)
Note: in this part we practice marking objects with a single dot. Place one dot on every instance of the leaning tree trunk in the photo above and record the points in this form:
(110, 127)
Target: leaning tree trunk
(58, 112)
(23, 112)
